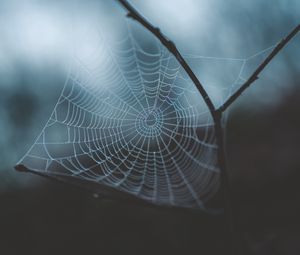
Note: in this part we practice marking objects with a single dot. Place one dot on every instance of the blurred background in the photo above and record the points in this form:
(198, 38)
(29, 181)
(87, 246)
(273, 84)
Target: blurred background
(262, 133)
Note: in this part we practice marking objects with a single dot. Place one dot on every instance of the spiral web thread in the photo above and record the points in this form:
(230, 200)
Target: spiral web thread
(130, 119)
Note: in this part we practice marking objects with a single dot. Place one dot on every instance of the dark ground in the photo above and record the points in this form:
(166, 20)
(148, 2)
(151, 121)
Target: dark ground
(263, 154)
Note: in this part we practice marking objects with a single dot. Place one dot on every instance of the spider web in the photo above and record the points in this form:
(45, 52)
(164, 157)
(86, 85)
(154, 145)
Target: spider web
(130, 119)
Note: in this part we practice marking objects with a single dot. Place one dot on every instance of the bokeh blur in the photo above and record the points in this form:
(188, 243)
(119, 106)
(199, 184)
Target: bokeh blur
(38, 38)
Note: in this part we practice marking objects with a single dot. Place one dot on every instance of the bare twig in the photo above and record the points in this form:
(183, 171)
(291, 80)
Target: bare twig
(133, 13)
(260, 68)
(101, 191)
(216, 115)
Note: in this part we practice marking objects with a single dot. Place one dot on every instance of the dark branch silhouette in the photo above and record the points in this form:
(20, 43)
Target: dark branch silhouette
(107, 192)
(133, 13)
(260, 68)
(216, 113)
(102, 192)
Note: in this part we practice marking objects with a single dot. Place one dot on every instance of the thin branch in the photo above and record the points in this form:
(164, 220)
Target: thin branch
(102, 191)
(134, 14)
(99, 190)
(260, 68)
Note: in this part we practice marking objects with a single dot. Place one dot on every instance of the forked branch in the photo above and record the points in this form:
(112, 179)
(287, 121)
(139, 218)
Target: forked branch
(260, 68)
(216, 113)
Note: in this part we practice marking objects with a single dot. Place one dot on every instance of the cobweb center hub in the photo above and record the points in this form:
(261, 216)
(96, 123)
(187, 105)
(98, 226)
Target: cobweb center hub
(151, 120)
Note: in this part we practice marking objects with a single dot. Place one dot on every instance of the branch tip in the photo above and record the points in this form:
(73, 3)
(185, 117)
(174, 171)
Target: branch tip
(130, 16)
(21, 168)
(157, 30)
